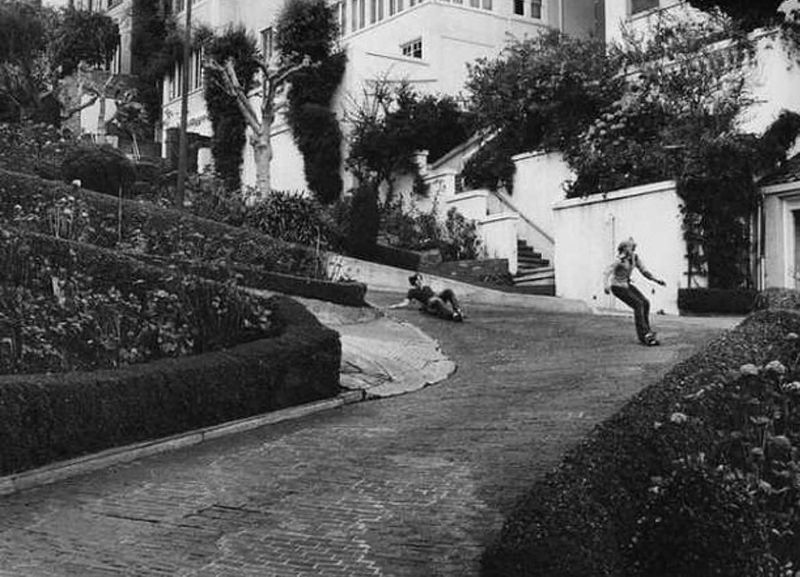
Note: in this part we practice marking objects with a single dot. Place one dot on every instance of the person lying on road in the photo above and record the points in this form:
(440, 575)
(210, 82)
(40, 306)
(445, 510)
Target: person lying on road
(443, 305)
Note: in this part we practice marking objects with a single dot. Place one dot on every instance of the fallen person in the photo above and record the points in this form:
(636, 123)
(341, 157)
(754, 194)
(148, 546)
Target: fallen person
(443, 305)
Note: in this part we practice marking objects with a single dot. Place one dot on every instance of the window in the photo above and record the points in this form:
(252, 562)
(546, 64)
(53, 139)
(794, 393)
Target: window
(373, 11)
(380, 9)
(487, 4)
(342, 18)
(519, 7)
(392, 7)
(354, 24)
(362, 13)
(267, 43)
(197, 69)
(643, 5)
(475, 3)
(412, 49)
(536, 9)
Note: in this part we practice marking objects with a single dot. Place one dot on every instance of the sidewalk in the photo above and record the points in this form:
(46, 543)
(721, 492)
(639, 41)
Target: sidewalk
(413, 485)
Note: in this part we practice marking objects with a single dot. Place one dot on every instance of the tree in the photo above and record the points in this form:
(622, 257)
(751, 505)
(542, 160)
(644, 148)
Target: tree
(22, 56)
(539, 94)
(392, 122)
(748, 14)
(83, 37)
(308, 28)
(40, 46)
(228, 124)
(275, 74)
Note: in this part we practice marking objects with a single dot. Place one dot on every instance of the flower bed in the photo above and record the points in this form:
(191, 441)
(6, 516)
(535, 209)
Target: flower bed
(697, 475)
(67, 212)
(68, 306)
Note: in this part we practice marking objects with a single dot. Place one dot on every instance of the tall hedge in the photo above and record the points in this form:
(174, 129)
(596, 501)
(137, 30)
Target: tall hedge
(309, 28)
(227, 123)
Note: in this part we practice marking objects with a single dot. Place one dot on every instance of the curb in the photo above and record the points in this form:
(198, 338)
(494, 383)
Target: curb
(64, 469)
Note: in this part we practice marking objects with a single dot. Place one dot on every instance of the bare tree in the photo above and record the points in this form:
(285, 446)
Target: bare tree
(275, 75)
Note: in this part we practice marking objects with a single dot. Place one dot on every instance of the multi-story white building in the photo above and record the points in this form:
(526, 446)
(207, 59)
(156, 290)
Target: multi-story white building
(426, 42)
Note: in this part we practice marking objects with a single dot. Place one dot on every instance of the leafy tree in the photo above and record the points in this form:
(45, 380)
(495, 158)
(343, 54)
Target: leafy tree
(308, 28)
(539, 93)
(747, 14)
(228, 123)
(40, 46)
(276, 72)
(392, 122)
(23, 74)
(83, 37)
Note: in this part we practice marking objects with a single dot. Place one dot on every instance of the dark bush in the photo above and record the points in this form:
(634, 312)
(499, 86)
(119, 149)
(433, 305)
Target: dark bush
(719, 301)
(101, 168)
(715, 410)
(777, 298)
(701, 523)
(364, 220)
(48, 418)
(292, 217)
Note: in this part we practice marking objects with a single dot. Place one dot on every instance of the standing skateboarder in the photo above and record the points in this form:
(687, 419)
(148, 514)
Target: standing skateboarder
(618, 281)
(443, 305)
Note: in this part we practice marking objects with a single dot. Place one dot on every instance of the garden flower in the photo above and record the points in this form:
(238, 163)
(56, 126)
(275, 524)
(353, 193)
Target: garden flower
(678, 418)
(776, 367)
(793, 387)
(748, 369)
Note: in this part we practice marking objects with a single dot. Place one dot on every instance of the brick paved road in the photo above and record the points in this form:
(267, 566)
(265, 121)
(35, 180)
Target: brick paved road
(414, 485)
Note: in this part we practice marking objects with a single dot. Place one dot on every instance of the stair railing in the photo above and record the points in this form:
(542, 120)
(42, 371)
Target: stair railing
(502, 198)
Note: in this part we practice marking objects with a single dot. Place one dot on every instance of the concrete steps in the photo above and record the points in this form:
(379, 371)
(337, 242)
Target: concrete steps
(532, 269)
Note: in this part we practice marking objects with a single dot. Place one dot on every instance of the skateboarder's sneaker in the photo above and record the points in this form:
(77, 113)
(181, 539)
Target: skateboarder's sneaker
(650, 340)
(458, 317)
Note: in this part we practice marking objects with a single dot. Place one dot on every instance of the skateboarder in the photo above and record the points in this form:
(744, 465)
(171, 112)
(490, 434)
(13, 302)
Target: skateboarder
(443, 305)
(618, 281)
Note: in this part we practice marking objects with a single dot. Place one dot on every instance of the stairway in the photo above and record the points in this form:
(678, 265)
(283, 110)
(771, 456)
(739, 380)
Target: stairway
(533, 271)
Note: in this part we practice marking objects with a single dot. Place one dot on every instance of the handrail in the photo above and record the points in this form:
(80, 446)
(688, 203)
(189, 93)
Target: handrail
(530, 223)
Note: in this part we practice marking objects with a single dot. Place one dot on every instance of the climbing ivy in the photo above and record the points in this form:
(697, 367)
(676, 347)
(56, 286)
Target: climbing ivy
(227, 123)
(308, 28)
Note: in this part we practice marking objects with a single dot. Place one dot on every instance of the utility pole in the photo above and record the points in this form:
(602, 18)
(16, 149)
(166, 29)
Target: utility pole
(183, 145)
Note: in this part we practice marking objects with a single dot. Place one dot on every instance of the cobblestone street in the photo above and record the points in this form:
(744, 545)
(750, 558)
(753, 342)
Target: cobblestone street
(414, 485)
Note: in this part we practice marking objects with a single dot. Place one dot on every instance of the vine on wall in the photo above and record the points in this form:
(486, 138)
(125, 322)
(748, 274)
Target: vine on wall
(308, 28)
(227, 123)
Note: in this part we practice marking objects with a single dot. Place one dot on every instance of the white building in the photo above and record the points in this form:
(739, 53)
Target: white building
(426, 42)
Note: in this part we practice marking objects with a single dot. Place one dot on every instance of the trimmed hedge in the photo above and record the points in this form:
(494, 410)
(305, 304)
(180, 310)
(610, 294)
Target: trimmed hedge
(47, 418)
(584, 518)
(719, 301)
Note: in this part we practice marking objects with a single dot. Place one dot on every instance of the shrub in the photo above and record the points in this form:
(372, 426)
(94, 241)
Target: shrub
(34, 148)
(147, 229)
(292, 217)
(77, 307)
(777, 298)
(364, 220)
(101, 168)
(704, 458)
(720, 301)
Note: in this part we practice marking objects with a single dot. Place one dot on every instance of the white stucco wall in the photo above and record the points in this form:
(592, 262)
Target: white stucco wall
(452, 35)
(587, 232)
(498, 233)
(539, 183)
